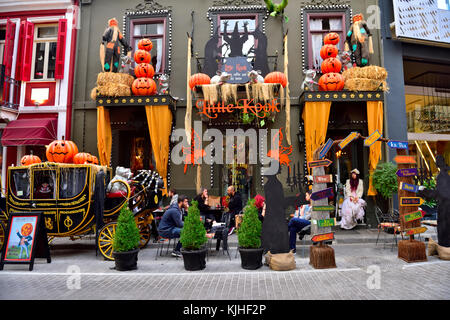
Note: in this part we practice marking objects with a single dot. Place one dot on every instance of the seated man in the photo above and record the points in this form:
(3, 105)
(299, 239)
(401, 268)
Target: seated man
(171, 222)
(299, 221)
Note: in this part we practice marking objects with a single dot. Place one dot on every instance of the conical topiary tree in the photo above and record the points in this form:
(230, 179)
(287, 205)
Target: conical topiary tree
(249, 233)
(193, 234)
(126, 237)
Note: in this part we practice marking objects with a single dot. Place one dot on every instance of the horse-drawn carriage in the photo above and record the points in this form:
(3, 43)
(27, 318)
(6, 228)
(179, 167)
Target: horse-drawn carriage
(77, 200)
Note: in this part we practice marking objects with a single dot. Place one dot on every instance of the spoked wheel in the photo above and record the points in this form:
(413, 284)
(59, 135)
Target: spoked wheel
(105, 240)
(2, 235)
(145, 230)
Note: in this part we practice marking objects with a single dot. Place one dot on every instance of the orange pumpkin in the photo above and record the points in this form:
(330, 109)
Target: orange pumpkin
(331, 82)
(331, 38)
(142, 56)
(331, 65)
(276, 77)
(144, 70)
(82, 158)
(144, 87)
(199, 79)
(145, 44)
(61, 151)
(26, 229)
(30, 159)
(329, 51)
(94, 160)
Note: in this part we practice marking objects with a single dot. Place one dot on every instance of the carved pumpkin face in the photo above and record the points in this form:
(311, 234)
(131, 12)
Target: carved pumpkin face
(82, 158)
(143, 87)
(331, 65)
(276, 77)
(329, 51)
(29, 159)
(145, 44)
(61, 151)
(331, 38)
(142, 56)
(331, 82)
(199, 79)
(144, 70)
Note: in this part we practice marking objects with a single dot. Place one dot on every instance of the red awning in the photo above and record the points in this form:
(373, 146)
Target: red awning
(40, 131)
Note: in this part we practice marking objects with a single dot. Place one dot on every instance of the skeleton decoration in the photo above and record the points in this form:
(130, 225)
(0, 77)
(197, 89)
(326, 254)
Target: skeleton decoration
(163, 84)
(220, 78)
(255, 76)
(309, 83)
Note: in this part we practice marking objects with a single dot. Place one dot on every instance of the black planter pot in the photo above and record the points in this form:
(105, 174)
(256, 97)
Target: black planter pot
(126, 261)
(251, 259)
(194, 259)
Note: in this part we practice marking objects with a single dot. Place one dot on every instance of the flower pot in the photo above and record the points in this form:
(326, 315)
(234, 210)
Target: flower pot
(194, 259)
(127, 260)
(251, 259)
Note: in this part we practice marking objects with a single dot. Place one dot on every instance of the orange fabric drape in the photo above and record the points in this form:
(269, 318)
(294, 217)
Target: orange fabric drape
(374, 122)
(159, 120)
(315, 116)
(104, 136)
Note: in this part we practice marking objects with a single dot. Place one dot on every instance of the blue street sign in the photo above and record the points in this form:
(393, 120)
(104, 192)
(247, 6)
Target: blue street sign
(325, 148)
(409, 187)
(398, 144)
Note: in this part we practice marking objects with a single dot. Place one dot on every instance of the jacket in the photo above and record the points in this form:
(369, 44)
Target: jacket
(235, 204)
(172, 218)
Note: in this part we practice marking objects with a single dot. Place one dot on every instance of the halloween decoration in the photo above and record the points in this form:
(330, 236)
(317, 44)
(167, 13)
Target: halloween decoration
(220, 78)
(82, 158)
(29, 159)
(346, 60)
(163, 84)
(276, 9)
(144, 70)
(126, 64)
(142, 56)
(309, 83)
(331, 65)
(359, 41)
(145, 44)
(365, 79)
(328, 51)
(110, 47)
(198, 79)
(212, 54)
(260, 52)
(276, 77)
(235, 40)
(331, 82)
(110, 84)
(282, 154)
(61, 151)
(143, 87)
(255, 77)
(331, 38)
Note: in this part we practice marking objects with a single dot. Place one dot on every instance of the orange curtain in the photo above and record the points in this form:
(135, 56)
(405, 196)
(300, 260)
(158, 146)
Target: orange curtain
(315, 116)
(104, 136)
(159, 120)
(374, 122)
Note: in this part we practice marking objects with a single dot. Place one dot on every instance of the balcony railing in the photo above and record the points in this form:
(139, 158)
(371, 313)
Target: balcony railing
(9, 91)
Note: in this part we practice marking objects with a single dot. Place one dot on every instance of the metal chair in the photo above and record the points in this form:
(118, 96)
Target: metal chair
(161, 241)
(387, 223)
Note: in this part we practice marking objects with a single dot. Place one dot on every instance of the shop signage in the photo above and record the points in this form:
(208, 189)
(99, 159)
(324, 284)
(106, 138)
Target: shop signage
(352, 136)
(326, 148)
(319, 163)
(417, 215)
(412, 231)
(370, 140)
(212, 110)
(405, 159)
(323, 208)
(411, 201)
(409, 172)
(398, 144)
(239, 68)
(322, 223)
(322, 194)
(323, 179)
(323, 237)
(409, 187)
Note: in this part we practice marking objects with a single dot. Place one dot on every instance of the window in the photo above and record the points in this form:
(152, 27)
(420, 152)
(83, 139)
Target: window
(44, 184)
(154, 30)
(44, 52)
(72, 182)
(20, 184)
(233, 22)
(2, 43)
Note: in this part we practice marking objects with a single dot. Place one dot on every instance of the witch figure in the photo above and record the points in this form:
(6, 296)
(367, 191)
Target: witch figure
(260, 52)
(236, 41)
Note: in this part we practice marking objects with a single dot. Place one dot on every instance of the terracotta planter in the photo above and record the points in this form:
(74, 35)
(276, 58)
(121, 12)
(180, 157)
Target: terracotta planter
(127, 260)
(251, 259)
(194, 259)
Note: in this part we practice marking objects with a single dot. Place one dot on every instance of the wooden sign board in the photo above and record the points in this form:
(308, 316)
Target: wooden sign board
(325, 222)
(319, 163)
(370, 140)
(323, 208)
(322, 194)
(323, 237)
(409, 172)
(398, 144)
(409, 187)
(405, 159)
(352, 136)
(323, 179)
(325, 148)
(411, 201)
(412, 216)
(417, 230)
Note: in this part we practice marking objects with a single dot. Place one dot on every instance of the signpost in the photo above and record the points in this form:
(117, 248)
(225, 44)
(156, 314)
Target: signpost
(326, 193)
(412, 216)
(408, 172)
(325, 148)
(352, 136)
(411, 201)
(409, 187)
(370, 140)
(323, 208)
(319, 163)
(325, 222)
(398, 144)
(323, 179)
(405, 159)
(417, 230)
(323, 237)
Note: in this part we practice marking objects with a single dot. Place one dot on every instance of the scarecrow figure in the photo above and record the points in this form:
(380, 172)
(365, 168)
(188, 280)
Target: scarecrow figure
(110, 47)
(359, 41)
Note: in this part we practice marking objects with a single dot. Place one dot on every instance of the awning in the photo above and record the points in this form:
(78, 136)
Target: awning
(40, 131)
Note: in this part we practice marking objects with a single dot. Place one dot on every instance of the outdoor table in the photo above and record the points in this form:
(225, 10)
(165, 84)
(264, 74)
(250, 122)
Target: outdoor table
(217, 212)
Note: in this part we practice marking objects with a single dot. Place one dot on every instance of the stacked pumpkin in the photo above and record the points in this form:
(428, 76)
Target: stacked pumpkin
(331, 80)
(144, 85)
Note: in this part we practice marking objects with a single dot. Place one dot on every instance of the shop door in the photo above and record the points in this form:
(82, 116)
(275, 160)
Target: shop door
(135, 150)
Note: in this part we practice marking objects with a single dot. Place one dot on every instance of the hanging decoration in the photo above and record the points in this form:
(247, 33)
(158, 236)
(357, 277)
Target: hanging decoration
(288, 98)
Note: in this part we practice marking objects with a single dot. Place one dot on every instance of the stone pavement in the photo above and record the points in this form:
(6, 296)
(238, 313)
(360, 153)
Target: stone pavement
(364, 271)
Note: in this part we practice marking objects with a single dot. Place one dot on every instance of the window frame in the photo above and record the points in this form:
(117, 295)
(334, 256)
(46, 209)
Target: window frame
(2, 44)
(47, 42)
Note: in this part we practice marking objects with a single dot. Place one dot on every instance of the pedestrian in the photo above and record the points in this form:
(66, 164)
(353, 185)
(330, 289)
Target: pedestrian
(234, 207)
(260, 204)
(300, 220)
(353, 205)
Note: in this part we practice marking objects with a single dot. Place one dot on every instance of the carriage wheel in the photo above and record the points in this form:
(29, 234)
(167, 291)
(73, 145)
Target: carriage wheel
(145, 231)
(2, 236)
(105, 240)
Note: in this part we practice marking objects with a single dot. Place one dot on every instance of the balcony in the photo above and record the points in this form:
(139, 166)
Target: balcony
(9, 97)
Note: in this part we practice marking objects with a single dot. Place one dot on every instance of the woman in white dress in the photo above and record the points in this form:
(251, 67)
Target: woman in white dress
(353, 206)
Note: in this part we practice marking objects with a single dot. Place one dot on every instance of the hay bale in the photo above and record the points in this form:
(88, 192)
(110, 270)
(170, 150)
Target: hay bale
(365, 84)
(113, 90)
(412, 251)
(106, 78)
(322, 257)
(370, 72)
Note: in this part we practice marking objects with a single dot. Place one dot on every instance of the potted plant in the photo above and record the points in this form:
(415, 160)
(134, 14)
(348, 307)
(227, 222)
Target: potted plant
(249, 238)
(193, 238)
(430, 205)
(126, 241)
(385, 180)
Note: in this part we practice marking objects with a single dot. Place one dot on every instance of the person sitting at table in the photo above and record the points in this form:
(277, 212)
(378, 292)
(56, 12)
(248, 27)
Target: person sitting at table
(173, 198)
(203, 206)
(260, 204)
(300, 220)
(234, 207)
(171, 222)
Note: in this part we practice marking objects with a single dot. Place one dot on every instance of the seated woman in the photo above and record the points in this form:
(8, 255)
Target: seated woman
(203, 206)
(300, 220)
(353, 206)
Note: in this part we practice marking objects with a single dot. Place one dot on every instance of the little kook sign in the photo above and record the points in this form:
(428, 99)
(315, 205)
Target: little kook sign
(212, 110)
(235, 148)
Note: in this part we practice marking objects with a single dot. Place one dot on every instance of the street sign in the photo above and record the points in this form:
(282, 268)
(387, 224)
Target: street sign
(323, 237)
(411, 201)
(319, 163)
(398, 144)
(409, 172)
(325, 222)
(370, 140)
(323, 179)
(417, 230)
(405, 159)
(412, 216)
(409, 187)
(322, 194)
(326, 148)
(352, 136)
(323, 208)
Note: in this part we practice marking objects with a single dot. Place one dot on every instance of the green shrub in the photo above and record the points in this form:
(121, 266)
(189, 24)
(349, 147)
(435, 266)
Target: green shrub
(193, 234)
(385, 179)
(430, 184)
(126, 237)
(249, 233)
